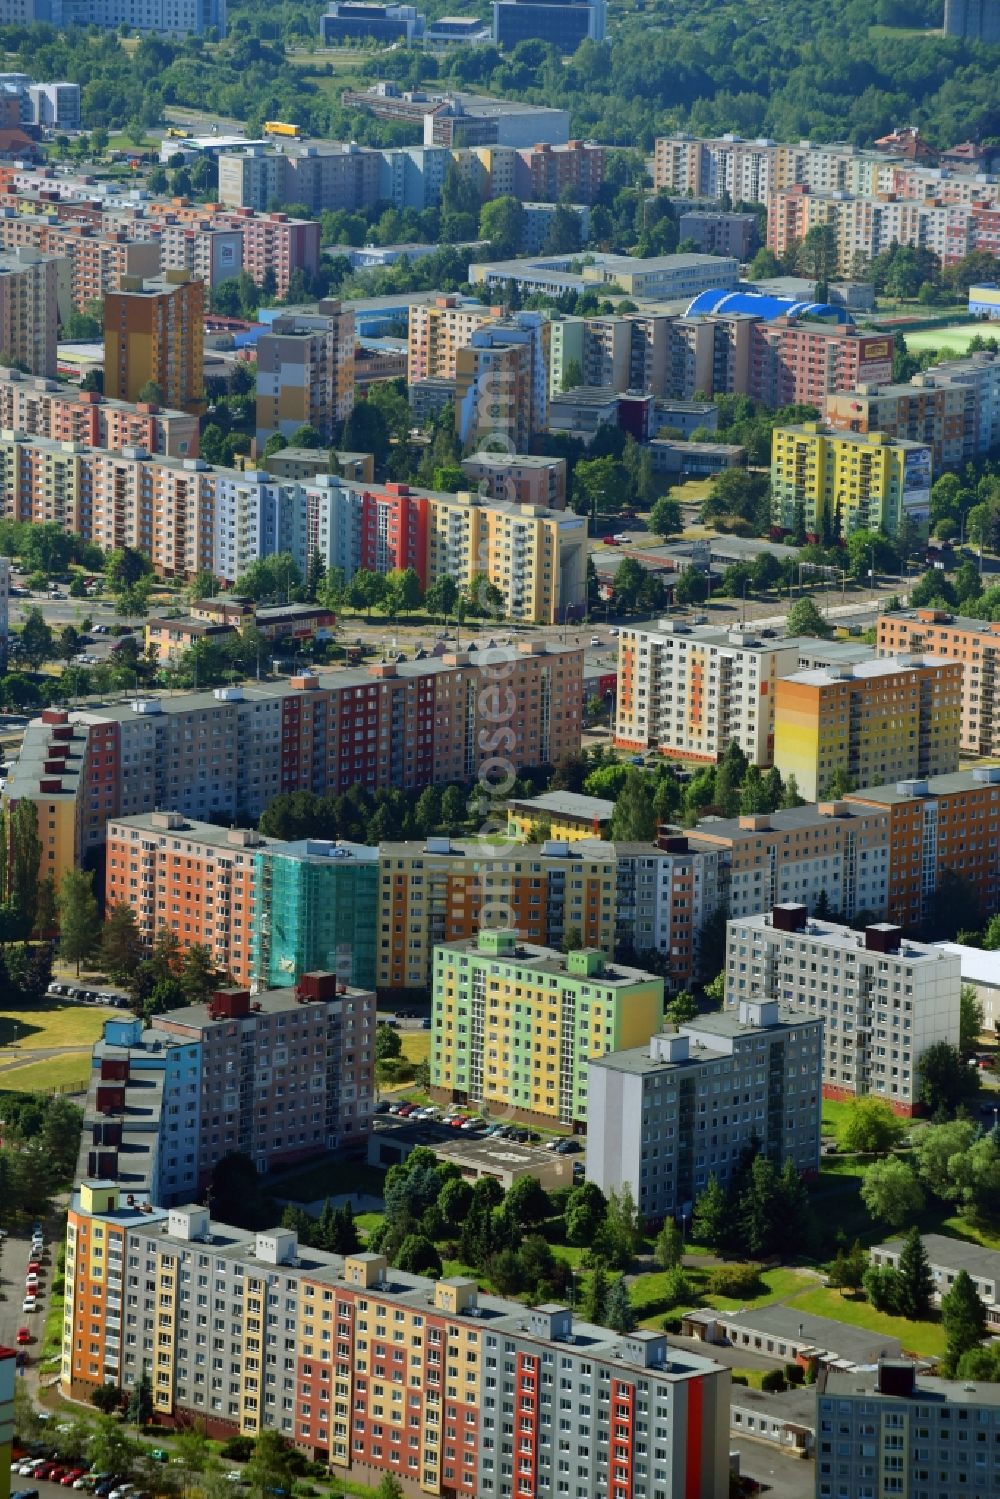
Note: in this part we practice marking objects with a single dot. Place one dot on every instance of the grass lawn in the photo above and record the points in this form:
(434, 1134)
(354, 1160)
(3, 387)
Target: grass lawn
(649, 1292)
(329, 1179)
(52, 1024)
(953, 340)
(51, 1347)
(416, 1046)
(70, 1073)
(917, 1337)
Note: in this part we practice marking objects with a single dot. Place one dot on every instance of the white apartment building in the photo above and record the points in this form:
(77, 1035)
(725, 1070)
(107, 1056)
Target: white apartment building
(688, 690)
(664, 894)
(883, 1000)
(666, 1116)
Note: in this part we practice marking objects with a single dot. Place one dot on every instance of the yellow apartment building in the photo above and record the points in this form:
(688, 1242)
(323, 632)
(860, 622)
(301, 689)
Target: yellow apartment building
(839, 482)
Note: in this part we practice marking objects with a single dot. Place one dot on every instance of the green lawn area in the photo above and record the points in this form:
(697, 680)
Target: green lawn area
(52, 1024)
(953, 340)
(329, 1179)
(71, 1073)
(416, 1046)
(917, 1337)
(649, 1292)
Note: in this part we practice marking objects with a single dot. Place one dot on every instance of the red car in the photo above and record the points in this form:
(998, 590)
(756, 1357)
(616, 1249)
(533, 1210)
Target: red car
(70, 1476)
(23, 1335)
(33, 1267)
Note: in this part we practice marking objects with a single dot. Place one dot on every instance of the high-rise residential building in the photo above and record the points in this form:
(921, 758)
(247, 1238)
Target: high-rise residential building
(435, 333)
(280, 1076)
(305, 373)
(749, 170)
(97, 260)
(444, 890)
(547, 174)
(194, 879)
(522, 478)
(690, 690)
(971, 642)
(888, 719)
(330, 178)
(937, 825)
(803, 363)
(560, 23)
(835, 853)
(883, 1000)
(231, 751)
(55, 105)
(719, 233)
(833, 483)
(976, 20)
(890, 1429)
(664, 894)
(328, 1398)
(490, 997)
(30, 288)
(4, 610)
(758, 1070)
(501, 382)
(316, 905)
(63, 413)
(154, 334)
(8, 1379)
(162, 17)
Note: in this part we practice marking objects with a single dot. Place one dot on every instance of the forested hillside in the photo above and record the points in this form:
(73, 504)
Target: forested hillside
(805, 68)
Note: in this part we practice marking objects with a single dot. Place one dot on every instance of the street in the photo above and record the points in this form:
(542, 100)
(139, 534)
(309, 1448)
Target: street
(14, 1256)
(782, 1477)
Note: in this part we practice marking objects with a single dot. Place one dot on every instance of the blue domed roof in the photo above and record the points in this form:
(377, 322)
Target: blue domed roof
(759, 304)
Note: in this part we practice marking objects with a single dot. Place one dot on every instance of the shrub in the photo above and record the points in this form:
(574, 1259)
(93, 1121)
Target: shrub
(740, 1379)
(795, 1374)
(773, 1382)
(736, 1280)
(240, 1449)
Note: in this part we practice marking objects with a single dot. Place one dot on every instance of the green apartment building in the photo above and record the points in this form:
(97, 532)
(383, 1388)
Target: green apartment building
(515, 1025)
(315, 907)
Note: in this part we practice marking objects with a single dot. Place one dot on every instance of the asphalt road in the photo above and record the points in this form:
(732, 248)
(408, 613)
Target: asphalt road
(783, 1477)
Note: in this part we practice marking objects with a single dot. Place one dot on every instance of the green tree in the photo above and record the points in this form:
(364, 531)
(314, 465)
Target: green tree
(269, 1470)
(418, 1256)
(683, 1008)
(79, 921)
(665, 517)
(501, 222)
(121, 942)
(586, 1208)
(870, 1128)
(805, 619)
(964, 1319)
(669, 1245)
(199, 977)
(110, 1449)
(914, 1282)
(691, 587)
(634, 817)
(389, 1487)
(970, 1022)
(387, 1042)
(442, 597)
(712, 1221)
(945, 1080)
(891, 1192)
(527, 1202)
(36, 640)
(620, 1312)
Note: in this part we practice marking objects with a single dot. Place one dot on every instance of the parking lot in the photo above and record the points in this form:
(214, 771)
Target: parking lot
(15, 1257)
(79, 994)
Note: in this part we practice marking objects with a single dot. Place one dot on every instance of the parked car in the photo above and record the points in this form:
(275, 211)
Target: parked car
(70, 1476)
(23, 1335)
(29, 1304)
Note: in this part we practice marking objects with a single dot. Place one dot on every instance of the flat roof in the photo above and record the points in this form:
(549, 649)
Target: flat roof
(978, 966)
(945, 619)
(784, 820)
(927, 1388)
(951, 783)
(201, 832)
(502, 850)
(854, 1343)
(859, 671)
(796, 1406)
(833, 935)
(566, 804)
(266, 1002)
(505, 460)
(954, 1254)
(547, 960)
(639, 1062)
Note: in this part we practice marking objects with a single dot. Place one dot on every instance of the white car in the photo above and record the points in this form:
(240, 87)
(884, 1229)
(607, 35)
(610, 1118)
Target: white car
(122, 1492)
(29, 1304)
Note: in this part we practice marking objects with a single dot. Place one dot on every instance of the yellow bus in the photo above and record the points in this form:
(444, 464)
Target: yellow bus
(278, 127)
(176, 133)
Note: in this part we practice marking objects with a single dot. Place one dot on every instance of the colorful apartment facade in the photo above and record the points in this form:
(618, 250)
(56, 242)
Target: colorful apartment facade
(32, 294)
(154, 333)
(305, 373)
(883, 999)
(8, 1379)
(97, 262)
(361, 1379)
(971, 642)
(493, 994)
(939, 824)
(835, 482)
(229, 752)
(521, 478)
(688, 691)
(315, 905)
(501, 382)
(444, 890)
(888, 719)
(46, 408)
(435, 333)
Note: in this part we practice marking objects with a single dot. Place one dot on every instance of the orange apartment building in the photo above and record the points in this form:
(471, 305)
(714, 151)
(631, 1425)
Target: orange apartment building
(97, 261)
(194, 879)
(943, 414)
(436, 333)
(973, 642)
(61, 413)
(154, 333)
(939, 823)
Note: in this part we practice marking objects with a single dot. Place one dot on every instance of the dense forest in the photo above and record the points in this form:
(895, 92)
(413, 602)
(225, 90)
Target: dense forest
(804, 69)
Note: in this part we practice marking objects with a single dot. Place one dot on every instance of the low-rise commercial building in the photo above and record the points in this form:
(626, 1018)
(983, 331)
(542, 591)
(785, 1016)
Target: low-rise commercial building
(686, 1106)
(883, 1000)
(664, 277)
(946, 1257)
(788, 1335)
(330, 1398)
(492, 993)
(359, 20)
(563, 815)
(937, 824)
(888, 719)
(973, 643)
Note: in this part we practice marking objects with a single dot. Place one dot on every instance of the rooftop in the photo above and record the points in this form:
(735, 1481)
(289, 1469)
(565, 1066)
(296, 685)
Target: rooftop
(785, 820)
(566, 804)
(710, 1038)
(927, 1388)
(978, 967)
(157, 825)
(954, 1254)
(606, 975)
(265, 1002)
(953, 783)
(837, 1339)
(946, 617)
(501, 849)
(846, 938)
(863, 671)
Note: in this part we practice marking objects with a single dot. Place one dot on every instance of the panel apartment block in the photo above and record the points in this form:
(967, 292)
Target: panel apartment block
(883, 1000)
(31, 285)
(838, 482)
(887, 719)
(689, 690)
(666, 1116)
(444, 890)
(834, 850)
(154, 332)
(231, 751)
(305, 373)
(971, 642)
(379, 1371)
(939, 823)
(490, 997)
(46, 408)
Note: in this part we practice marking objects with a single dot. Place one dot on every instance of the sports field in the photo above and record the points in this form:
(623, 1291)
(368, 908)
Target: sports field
(954, 340)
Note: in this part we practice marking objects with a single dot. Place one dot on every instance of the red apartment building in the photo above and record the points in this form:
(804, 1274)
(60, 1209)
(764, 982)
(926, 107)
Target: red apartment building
(394, 530)
(794, 362)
